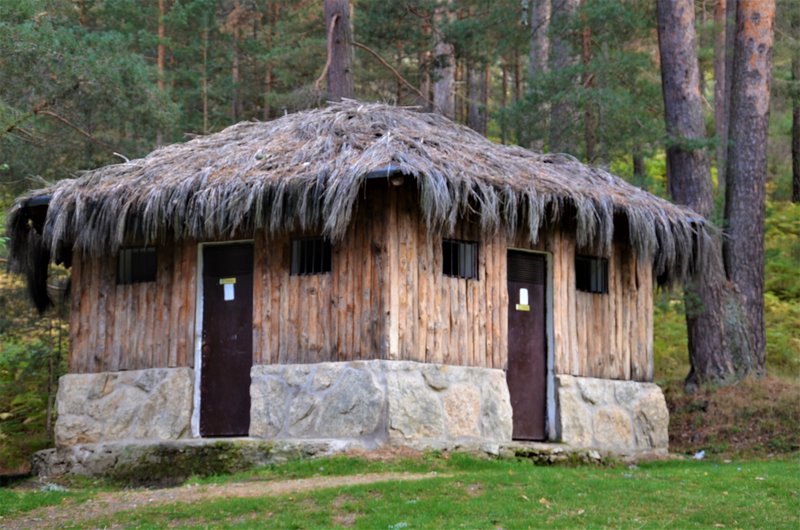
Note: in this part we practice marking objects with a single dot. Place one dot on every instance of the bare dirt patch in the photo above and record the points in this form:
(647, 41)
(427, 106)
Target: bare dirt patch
(105, 504)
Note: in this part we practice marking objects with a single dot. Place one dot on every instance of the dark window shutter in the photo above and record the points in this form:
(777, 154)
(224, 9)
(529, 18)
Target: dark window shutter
(310, 255)
(591, 274)
(136, 265)
(460, 259)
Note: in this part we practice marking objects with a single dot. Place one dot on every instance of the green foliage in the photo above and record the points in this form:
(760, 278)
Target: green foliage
(24, 369)
(782, 250)
(32, 357)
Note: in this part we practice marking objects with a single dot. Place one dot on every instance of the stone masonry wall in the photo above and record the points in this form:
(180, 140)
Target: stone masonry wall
(378, 401)
(618, 416)
(153, 404)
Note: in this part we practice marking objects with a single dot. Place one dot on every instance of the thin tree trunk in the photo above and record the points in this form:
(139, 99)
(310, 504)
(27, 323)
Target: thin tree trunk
(639, 169)
(160, 59)
(589, 118)
(444, 70)
(271, 20)
(537, 63)
(235, 79)
(795, 91)
(424, 59)
(720, 87)
(540, 41)
(503, 100)
(562, 58)
(747, 162)
(715, 328)
(485, 89)
(475, 92)
(204, 80)
(339, 74)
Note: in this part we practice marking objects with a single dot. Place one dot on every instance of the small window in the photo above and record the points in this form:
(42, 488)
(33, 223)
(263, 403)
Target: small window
(136, 265)
(460, 259)
(591, 274)
(311, 255)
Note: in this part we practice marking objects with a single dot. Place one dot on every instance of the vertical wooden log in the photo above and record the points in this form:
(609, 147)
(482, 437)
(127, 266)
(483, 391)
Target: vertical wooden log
(489, 303)
(393, 280)
(259, 285)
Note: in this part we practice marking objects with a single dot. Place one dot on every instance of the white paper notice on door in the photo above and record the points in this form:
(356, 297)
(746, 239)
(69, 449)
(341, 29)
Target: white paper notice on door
(523, 301)
(228, 291)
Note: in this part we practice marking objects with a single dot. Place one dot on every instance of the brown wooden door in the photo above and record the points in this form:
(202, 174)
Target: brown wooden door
(527, 344)
(227, 349)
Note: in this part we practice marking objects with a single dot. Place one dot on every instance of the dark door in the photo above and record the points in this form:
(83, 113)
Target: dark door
(527, 344)
(227, 353)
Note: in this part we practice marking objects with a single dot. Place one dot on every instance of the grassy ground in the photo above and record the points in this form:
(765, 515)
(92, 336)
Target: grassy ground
(475, 493)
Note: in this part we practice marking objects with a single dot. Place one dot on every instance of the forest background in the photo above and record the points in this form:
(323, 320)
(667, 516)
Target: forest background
(85, 83)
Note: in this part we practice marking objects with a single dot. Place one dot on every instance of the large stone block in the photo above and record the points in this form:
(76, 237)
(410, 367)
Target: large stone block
(375, 401)
(153, 404)
(616, 416)
(415, 409)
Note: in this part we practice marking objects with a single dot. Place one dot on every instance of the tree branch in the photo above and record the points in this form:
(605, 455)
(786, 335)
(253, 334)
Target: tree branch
(392, 69)
(334, 18)
(76, 128)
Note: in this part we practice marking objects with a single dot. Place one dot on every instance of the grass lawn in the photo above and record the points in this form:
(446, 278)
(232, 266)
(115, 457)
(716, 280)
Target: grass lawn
(476, 493)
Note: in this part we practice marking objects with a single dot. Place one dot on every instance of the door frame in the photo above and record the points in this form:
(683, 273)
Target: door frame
(198, 326)
(550, 426)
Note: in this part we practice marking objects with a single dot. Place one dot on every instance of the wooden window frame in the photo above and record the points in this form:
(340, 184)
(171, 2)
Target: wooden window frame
(310, 255)
(460, 264)
(137, 265)
(591, 274)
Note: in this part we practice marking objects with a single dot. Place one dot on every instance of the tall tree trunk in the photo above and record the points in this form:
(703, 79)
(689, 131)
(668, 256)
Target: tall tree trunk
(160, 59)
(540, 41)
(485, 89)
(424, 60)
(589, 117)
(747, 161)
(537, 60)
(475, 92)
(721, 93)
(271, 20)
(503, 100)
(339, 74)
(795, 91)
(204, 79)
(715, 330)
(444, 71)
(562, 58)
(639, 169)
(236, 103)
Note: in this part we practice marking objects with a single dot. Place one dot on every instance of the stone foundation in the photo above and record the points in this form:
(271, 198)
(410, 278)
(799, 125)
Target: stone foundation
(617, 416)
(375, 402)
(363, 404)
(154, 404)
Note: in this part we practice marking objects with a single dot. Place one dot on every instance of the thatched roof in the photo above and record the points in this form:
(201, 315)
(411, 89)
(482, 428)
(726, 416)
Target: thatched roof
(306, 169)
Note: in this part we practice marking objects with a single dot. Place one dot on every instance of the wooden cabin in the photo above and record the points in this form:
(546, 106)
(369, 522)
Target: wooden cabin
(361, 272)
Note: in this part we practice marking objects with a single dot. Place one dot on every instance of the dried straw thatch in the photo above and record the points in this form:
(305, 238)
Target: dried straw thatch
(306, 169)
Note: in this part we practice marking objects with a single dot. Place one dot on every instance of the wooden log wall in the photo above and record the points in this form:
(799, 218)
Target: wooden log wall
(437, 318)
(358, 312)
(337, 316)
(608, 336)
(448, 320)
(130, 327)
